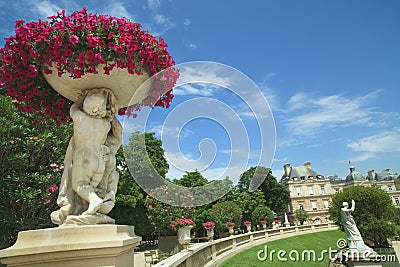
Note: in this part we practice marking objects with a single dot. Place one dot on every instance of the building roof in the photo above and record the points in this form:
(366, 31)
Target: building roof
(384, 175)
(299, 173)
(354, 176)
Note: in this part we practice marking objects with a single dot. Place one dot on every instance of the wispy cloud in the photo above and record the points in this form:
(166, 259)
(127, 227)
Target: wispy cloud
(154, 4)
(187, 22)
(118, 9)
(384, 141)
(327, 112)
(198, 89)
(192, 46)
(43, 9)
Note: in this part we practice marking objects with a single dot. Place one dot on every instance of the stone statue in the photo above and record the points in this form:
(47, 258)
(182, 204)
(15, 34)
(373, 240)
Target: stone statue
(89, 182)
(351, 230)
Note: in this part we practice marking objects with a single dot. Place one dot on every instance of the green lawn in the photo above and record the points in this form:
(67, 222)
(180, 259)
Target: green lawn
(316, 242)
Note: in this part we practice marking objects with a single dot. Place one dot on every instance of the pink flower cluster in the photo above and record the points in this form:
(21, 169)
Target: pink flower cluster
(247, 223)
(229, 224)
(209, 226)
(77, 44)
(264, 222)
(180, 222)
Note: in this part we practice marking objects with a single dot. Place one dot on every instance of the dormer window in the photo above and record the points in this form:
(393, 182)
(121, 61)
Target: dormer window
(302, 178)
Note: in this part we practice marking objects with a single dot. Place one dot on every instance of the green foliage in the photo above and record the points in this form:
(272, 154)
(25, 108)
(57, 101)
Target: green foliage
(247, 201)
(32, 150)
(161, 214)
(262, 213)
(227, 211)
(301, 215)
(276, 195)
(191, 179)
(143, 152)
(375, 214)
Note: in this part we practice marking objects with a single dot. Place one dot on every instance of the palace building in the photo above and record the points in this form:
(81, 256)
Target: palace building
(312, 192)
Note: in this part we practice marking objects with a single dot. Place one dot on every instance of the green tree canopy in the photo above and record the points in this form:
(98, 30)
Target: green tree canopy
(191, 179)
(375, 214)
(227, 211)
(301, 215)
(276, 195)
(144, 152)
(262, 213)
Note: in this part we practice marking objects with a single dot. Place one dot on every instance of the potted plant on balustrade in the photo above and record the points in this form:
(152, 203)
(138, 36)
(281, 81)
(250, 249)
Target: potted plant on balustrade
(183, 226)
(248, 225)
(101, 63)
(230, 226)
(210, 230)
(264, 224)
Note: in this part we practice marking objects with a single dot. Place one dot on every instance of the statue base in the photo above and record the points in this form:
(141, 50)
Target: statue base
(355, 258)
(67, 246)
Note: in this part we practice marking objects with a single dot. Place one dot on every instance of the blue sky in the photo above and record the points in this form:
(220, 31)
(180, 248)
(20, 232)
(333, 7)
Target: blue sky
(329, 70)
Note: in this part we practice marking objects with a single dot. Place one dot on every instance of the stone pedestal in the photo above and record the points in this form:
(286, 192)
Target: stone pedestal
(68, 246)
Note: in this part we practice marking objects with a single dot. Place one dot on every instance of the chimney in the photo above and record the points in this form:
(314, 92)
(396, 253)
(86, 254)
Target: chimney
(372, 174)
(287, 169)
(352, 169)
(307, 164)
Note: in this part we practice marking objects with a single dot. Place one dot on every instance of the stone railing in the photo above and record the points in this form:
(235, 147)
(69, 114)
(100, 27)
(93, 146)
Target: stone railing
(212, 253)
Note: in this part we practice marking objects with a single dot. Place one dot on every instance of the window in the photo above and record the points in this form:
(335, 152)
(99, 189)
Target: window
(302, 178)
(336, 190)
(396, 199)
(314, 206)
(390, 187)
(301, 206)
(310, 190)
(298, 191)
(326, 204)
(323, 190)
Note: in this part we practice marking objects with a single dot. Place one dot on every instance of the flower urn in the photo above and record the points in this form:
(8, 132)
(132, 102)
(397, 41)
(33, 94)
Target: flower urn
(210, 235)
(248, 228)
(231, 231)
(184, 236)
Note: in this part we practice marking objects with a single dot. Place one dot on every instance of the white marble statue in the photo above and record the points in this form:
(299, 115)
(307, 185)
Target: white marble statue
(89, 182)
(351, 230)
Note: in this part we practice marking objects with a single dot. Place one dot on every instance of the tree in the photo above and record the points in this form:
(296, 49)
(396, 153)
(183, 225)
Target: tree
(191, 179)
(375, 215)
(276, 195)
(32, 151)
(143, 151)
(247, 201)
(227, 211)
(301, 215)
(262, 213)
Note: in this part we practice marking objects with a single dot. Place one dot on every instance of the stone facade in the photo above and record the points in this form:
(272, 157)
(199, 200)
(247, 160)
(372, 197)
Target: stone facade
(313, 192)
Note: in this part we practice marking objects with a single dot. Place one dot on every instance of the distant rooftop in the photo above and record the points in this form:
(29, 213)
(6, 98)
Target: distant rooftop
(299, 173)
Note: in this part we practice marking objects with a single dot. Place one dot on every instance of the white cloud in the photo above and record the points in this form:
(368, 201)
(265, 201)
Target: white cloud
(44, 9)
(385, 141)
(317, 115)
(206, 74)
(154, 4)
(192, 46)
(117, 9)
(187, 22)
(362, 157)
(200, 89)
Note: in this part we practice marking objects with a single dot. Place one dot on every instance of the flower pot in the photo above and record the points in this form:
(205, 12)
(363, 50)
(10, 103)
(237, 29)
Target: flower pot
(230, 228)
(210, 235)
(123, 84)
(248, 228)
(184, 236)
(264, 226)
